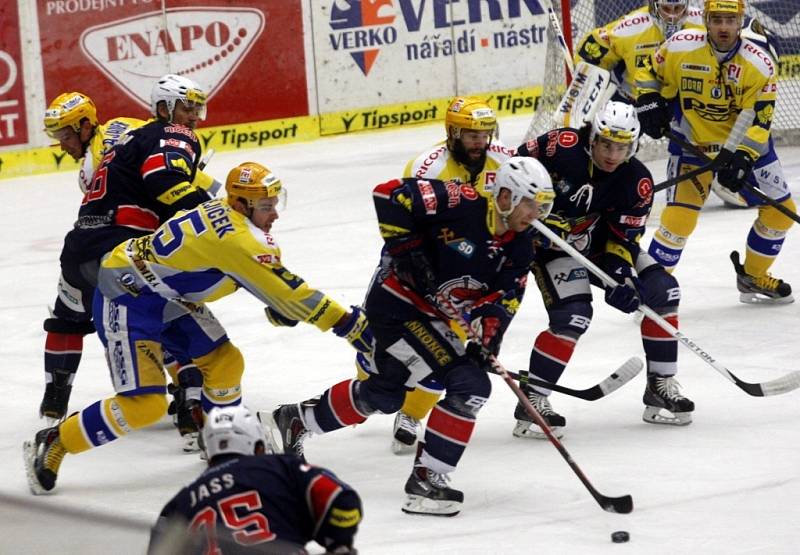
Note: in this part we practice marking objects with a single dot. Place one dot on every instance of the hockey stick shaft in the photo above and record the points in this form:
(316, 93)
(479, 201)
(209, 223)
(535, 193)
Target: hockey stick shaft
(622, 504)
(617, 379)
(738, 131)
(562, 42)
(777, 386)
(685, 145)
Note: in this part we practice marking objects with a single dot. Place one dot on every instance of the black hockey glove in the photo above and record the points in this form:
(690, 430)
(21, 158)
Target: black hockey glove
(654, 114)
(277, 319)
(411, 265)
(734, 174)
(626, 296)
(574, 231)
(356, 330)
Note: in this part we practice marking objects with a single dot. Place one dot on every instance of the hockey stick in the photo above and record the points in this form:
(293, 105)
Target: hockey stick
(617, 379)
(622, 504)
(562, 42)
(686, 145)
(734, 138)
(205, 159)
(784, 384)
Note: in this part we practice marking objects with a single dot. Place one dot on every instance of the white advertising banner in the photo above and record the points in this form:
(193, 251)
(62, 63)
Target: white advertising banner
(377, 52)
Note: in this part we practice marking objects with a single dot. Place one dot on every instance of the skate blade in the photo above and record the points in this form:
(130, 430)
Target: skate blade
(29, 456)
(273, 434)
(656, 415)
(400, 448)
(418, 505)
(529, 430)
(755, 298)
(191, 442)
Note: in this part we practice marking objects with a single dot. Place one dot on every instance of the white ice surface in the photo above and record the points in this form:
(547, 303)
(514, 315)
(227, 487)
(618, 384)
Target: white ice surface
(728, 483)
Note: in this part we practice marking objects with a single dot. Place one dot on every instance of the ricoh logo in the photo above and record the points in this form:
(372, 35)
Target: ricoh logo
(362, 27)
(203, 44)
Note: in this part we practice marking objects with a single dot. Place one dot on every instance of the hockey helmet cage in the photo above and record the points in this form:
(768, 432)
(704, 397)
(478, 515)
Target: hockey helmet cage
(669, 15)
(170, 88)
(69, 110)
(471, 113)
(617, 122)
(254, 182)
(232, 430)
(524, 177)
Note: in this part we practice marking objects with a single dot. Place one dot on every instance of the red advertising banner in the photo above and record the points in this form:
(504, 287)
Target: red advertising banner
(248, 55)
(13, 123)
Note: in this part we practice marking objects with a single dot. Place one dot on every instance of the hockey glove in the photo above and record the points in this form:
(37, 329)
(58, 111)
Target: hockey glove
(355, 329)
(411, 265)
(626, 296)
(736, 172)
(277, 319)
(654, 114)
(574, 231)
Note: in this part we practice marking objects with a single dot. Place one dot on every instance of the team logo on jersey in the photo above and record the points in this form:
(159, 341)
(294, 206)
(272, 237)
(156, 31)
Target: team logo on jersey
(462, 291)
(206, 44)
(567, 139)
(764, 112)
(696, 67)
(706, 110)
(645, 188)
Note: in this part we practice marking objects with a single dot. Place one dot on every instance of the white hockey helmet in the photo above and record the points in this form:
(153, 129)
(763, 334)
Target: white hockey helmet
(617, 121)
(669, 15)
(232, 431)
(170, 88)
(524, 177)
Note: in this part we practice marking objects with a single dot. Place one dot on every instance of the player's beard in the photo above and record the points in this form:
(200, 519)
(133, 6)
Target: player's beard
(474, 165)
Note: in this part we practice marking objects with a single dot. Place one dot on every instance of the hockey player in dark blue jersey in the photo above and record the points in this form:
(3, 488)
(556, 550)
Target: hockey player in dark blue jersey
(444, 243)
(145, 178)
(603, 199)
(251, 502)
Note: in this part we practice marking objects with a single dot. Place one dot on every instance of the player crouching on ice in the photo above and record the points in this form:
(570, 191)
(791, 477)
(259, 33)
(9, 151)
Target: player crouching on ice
(603, 198)
(283, 502)
(444, 243)
(151, 294)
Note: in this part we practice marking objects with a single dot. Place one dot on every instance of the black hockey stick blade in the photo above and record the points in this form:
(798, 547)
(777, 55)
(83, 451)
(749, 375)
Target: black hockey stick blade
(617, 379)
(622, 505)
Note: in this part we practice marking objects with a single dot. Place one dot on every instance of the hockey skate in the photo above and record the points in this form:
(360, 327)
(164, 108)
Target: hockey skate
(663, 402)
(286, 430)
(187, 416)
(526, 428)
(56, 397)
(43, 458)
(427, 492)
(760, 290)
(405, 434)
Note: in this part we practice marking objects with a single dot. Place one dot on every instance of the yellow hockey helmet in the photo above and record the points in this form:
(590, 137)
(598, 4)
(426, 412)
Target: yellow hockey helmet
(254, 182)
(466, 112)
(69, 110)
(724, 6)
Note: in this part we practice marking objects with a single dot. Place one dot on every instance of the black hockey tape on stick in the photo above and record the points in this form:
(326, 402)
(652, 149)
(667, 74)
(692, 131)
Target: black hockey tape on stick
(784, 384)
(206, 159)
(622, 504)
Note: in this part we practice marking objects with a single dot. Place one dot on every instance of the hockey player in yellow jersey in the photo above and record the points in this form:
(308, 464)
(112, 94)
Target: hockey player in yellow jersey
(699, 82)
(470, 154)
(151, 295)
(71, 119)
(627, 43)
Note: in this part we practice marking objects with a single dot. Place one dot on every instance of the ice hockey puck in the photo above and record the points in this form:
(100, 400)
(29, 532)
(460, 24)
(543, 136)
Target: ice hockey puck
(620, 536)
